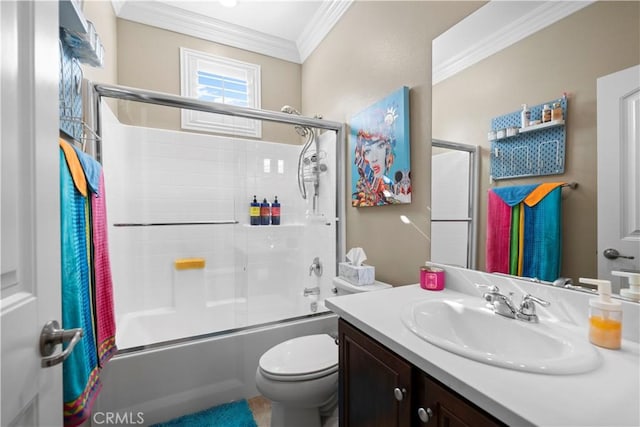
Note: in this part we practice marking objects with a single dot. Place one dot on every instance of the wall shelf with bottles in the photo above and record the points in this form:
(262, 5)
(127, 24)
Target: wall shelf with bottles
(534, 150)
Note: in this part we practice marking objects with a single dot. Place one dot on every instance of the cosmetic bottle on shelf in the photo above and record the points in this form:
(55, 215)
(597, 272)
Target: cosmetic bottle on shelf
(275, 212)
(254, 212)
(525, 116)
(265, 212)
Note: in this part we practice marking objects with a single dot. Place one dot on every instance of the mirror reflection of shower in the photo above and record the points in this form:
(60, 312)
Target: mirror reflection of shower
(309, 162)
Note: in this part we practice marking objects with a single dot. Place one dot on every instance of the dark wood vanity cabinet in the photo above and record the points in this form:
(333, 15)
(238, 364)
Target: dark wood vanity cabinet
(379, 388)
(374, 383)
(437, 405)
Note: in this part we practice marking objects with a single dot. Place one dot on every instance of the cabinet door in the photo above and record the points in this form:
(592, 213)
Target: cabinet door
(439, 406)
(374, 382)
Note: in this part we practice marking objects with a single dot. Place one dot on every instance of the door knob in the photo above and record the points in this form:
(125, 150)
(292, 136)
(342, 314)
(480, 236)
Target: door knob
(399, 393)
(425, 414)
(611, 253)
(51, 336)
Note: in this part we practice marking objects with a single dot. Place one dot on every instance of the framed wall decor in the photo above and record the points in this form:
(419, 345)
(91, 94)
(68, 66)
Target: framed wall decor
(380, 152)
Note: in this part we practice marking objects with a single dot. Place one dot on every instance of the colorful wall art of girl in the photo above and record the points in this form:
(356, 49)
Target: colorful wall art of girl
(379, 141)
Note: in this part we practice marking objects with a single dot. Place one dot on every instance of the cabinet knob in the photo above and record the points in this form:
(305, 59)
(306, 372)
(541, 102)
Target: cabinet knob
(399, 393)
(425, 414)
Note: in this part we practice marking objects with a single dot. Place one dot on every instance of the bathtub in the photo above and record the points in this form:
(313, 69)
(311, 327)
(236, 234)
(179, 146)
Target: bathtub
(143, 329)
(166, 381)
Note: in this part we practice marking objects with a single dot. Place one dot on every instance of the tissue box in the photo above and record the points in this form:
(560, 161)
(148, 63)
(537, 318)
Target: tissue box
(358, 275)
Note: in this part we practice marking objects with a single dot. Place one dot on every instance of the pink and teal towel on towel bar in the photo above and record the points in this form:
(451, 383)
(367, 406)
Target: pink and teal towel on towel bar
(87, 300)
(524, 230)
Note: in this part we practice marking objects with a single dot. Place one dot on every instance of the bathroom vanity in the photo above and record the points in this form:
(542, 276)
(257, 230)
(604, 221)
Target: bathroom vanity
(378, 387)
(391, 376)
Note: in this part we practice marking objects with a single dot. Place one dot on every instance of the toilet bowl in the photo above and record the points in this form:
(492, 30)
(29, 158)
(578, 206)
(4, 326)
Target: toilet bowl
(300, 375)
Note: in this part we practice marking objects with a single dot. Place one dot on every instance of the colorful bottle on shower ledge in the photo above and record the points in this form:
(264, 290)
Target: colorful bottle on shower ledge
(275, 212)
(254, 212)
(265, 212)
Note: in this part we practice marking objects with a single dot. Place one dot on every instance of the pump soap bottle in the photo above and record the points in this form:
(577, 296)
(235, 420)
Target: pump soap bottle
(633, 292)
(605, 316)
(265, 212)
(254, 212)
(275, 212)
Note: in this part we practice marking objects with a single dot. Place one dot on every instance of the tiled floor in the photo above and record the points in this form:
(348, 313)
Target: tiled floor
(261, 408)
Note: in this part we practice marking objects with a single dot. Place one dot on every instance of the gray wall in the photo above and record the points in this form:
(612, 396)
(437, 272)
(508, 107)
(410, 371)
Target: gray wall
(374, 49)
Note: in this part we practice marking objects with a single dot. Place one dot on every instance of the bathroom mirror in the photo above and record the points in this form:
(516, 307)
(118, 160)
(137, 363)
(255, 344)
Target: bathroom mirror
(481, 71)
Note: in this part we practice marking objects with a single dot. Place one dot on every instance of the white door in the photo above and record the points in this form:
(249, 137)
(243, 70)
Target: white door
(30, 218)
(618, 173)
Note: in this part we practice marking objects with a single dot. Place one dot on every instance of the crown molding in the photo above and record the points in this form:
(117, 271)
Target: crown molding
(328, 14)
(541, 17)
(162, 15)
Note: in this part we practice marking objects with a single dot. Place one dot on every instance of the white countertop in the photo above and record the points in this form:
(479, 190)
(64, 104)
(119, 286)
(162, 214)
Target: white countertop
(606, 396)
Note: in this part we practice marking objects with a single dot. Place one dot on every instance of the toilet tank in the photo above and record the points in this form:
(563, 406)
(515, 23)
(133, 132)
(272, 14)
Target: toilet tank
(344, 287)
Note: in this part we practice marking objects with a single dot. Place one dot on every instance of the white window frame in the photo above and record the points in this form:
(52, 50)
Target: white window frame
(191, 61)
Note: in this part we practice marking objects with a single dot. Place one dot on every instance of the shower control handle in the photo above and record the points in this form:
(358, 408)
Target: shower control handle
(316, 267)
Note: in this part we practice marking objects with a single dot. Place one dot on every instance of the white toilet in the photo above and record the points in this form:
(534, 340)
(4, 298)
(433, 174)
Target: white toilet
(300, 375)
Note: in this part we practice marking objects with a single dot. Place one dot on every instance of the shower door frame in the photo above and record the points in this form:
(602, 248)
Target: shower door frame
(472, 218)
(92, 107)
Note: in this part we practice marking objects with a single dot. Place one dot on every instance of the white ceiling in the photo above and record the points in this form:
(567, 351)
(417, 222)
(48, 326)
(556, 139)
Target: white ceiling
(292, 29)
(285, 29)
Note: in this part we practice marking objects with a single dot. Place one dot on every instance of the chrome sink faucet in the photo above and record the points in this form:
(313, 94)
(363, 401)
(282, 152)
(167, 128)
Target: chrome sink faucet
(504, 306)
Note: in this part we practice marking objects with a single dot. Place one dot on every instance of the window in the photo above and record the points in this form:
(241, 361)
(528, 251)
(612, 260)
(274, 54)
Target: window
(216, 79)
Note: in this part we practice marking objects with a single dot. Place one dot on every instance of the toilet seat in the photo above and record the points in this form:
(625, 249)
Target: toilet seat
(300, 359)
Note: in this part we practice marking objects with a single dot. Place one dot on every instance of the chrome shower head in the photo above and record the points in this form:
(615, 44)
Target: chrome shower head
(289, 110)
(302, 131)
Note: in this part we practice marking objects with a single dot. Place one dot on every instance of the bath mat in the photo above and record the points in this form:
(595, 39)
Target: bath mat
(234, 414)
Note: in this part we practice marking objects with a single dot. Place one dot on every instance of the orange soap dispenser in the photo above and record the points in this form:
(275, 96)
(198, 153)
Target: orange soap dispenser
(605, 316)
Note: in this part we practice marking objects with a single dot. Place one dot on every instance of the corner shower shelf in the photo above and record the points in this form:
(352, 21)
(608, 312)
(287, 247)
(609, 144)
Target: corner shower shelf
(288, 225)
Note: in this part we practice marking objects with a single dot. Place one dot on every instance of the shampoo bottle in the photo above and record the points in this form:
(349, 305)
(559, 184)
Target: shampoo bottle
(265, 212)
(254, 212)
(525, 116)
(275, 212)
(546, 113)
(605, 316)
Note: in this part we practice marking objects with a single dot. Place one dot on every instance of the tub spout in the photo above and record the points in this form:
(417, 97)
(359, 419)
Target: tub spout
(312, 291)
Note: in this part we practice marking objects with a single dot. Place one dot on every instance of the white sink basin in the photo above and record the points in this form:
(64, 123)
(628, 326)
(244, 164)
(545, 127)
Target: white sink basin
(468, 328)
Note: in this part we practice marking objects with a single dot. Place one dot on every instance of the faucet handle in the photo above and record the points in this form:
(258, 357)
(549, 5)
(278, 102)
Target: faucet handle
(527, 309)
(528, 300)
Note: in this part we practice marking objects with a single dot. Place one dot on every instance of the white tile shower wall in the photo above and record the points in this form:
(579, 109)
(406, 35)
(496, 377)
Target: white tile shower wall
(163, 176)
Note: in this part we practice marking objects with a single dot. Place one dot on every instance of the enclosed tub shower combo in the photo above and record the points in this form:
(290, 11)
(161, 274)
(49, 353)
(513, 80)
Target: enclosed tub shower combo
(200, 293)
